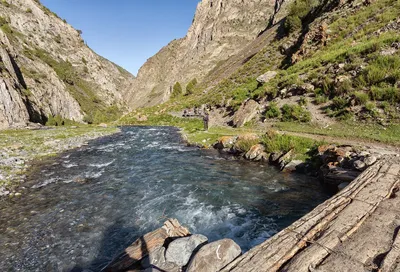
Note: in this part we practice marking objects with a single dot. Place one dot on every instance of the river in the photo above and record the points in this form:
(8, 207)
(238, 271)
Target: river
(83, 207)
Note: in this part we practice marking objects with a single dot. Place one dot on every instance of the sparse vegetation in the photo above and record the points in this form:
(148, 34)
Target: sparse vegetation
(176, 90)
(295, 113)
(191, 86)
(273, 111)
(80, 89)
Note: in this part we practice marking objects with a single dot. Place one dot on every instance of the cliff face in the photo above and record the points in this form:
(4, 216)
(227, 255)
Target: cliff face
(220, 29)
(47, 70)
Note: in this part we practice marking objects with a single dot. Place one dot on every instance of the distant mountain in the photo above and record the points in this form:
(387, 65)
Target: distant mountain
(220, 30)
(47, 72)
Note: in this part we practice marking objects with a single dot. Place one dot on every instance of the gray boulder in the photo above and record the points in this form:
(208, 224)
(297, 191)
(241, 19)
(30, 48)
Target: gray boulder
(265, 78)
(359, 165)
(156, 261)
(247, 111)
(214, 256)
(370, 160)
(292, 166)
(180, 250)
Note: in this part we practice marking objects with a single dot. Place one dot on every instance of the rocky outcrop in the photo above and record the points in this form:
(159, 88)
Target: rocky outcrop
(247, 111)
(47, 70)
(220, 29)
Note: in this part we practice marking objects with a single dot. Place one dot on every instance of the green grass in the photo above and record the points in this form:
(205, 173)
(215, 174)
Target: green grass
(349, 130)
(302, 148)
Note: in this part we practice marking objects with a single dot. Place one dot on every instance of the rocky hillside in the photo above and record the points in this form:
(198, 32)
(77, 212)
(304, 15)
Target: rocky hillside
(326, 62)
(49, 74)
(220, 30)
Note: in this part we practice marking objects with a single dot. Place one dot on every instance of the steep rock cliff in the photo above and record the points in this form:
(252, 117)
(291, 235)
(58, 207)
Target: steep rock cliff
(47, 70)
(220, 29)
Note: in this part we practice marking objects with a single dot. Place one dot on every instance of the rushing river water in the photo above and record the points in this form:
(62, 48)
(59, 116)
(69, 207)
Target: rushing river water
(85, 206)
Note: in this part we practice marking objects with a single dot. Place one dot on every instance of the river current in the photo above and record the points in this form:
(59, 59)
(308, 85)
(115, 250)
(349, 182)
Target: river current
(85, 206)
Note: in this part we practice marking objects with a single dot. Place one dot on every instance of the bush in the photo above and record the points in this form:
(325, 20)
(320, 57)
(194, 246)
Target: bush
(303, 101)
(272, 111)
(190, 86)
(339, 103)
(321, 99)
(292, 23)
(29, 10)
(88, 119)
(389, 94)
(295, 113)
(177, 90)
(361, 98)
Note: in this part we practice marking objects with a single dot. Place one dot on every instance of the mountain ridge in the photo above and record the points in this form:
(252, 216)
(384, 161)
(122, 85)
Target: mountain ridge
(48, 71)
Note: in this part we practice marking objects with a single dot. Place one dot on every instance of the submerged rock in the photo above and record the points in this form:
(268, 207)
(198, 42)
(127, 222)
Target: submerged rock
(180, 250)
(214, 256)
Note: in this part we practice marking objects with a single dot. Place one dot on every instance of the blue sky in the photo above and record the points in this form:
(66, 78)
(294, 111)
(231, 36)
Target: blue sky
(127, 32)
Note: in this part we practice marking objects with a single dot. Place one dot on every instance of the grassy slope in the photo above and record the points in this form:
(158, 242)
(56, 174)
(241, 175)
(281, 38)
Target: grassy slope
(354, 43)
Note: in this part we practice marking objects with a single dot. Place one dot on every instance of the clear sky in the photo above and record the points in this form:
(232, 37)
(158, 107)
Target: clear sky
(127, 32)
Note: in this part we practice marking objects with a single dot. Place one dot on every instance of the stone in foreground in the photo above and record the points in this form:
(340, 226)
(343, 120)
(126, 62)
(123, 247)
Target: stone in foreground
(180, 250)
(214, 256)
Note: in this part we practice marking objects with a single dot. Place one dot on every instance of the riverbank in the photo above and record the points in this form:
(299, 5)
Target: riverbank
(19, 148)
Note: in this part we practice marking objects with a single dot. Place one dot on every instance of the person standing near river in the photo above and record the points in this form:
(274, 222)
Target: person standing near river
(206, 119)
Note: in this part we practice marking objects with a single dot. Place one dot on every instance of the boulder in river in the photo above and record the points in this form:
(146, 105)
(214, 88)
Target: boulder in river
(180, 250)
(214, 256)
(156, 260)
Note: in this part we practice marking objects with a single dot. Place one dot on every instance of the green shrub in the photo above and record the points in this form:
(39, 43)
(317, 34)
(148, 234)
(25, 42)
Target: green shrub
(273, 111)
(177, 90)
(275, 143)
(321, 99)
(88, 119)
(57, 120)
(292, 23)
(390, 94)
(191, 86)
(244, 145)
(3, 21)
(28, 10)
(295, 113)
(303, 101)
(361, 98)
(339, 103)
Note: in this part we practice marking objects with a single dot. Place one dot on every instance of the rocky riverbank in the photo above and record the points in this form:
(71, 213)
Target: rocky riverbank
(20, 148)
(335, 165)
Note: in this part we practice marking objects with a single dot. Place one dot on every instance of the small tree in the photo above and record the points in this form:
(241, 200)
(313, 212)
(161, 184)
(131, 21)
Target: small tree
(190, 87)
(177, 90)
